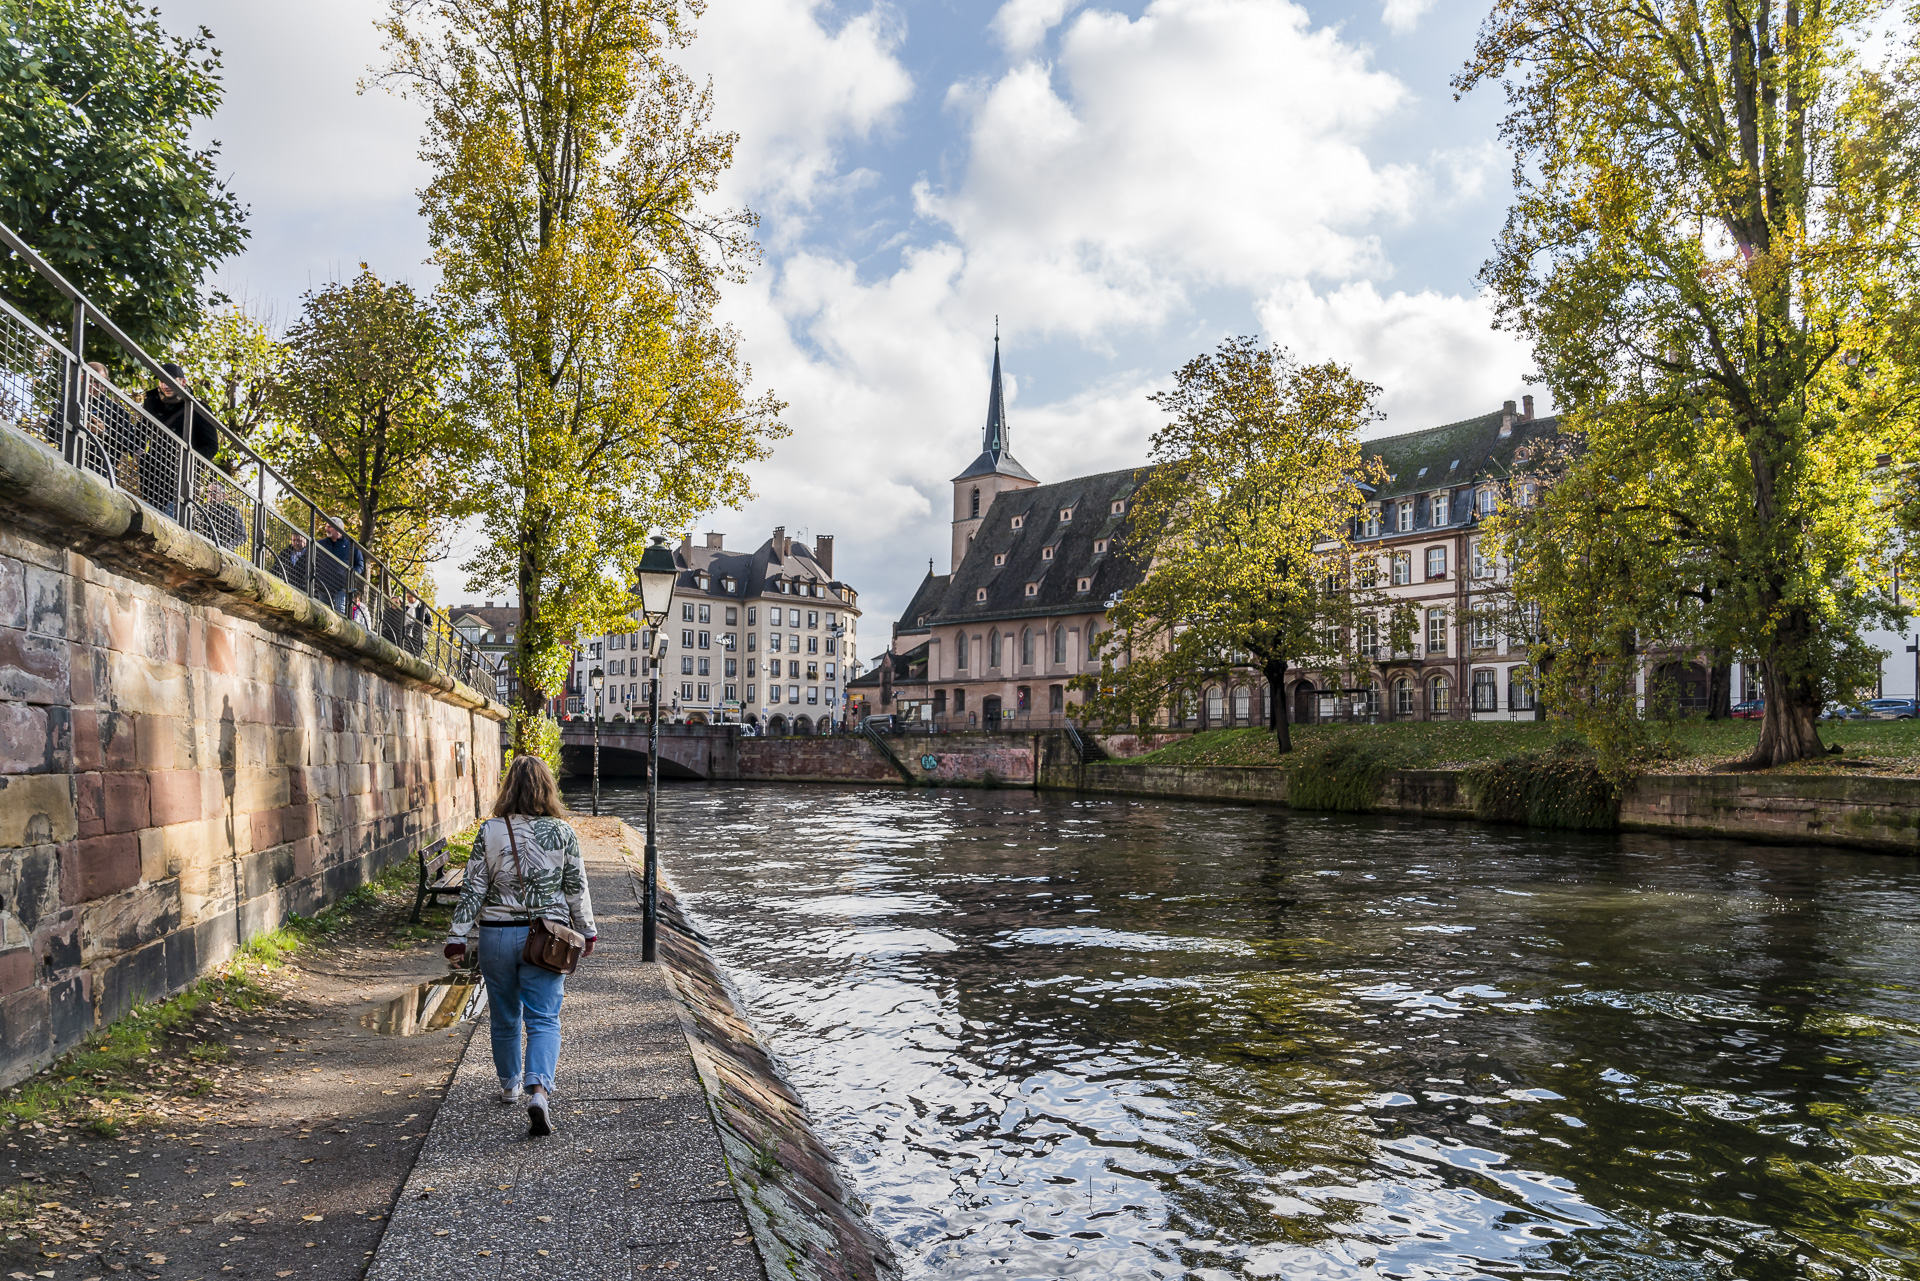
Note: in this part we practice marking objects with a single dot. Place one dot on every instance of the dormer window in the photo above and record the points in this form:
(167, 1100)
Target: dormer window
(1439, 510)
(1066, 514)
(1403, 518)
(1099, 547)
(1119, 507)
(1046, 553)
(1019, 522)
(701, 581)
(1489, 500)
(1083, 585)
(999, 558)
(726, 583)
(1033, 589)
(979, 595)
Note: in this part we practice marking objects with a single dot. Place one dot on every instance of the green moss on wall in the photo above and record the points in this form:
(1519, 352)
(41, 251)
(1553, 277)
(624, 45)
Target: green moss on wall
(1342, 774)
(1561, 788)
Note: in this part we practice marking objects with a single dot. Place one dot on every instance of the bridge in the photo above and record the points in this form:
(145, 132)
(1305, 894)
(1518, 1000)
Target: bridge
(686, 751)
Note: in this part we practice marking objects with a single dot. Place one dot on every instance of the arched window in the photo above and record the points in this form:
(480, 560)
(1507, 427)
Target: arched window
(1486, 694)
(1242, 703)
(1216, 705)
(1403, 696)
(1060, 645)
(975, 513)
(1439, 695)
(1026, 647)
(993, 648)
(1368, 704)
(960, 650)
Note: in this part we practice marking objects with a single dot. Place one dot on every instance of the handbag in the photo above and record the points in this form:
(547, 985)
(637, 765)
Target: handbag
(550, 946)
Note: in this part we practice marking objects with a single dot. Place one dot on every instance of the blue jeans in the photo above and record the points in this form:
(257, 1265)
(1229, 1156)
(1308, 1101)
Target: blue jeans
(519, 995)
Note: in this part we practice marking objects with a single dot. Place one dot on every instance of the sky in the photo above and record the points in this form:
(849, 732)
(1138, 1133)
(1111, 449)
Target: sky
(1120, 185)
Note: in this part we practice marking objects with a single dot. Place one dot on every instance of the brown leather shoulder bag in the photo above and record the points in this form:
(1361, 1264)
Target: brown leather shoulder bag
(550, 945)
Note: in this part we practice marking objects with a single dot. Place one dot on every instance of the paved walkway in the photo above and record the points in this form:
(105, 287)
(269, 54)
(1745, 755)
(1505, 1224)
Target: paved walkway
(632, 1185)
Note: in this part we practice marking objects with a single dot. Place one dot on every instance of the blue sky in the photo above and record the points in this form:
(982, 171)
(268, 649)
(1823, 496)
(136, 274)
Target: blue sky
(1123, 185)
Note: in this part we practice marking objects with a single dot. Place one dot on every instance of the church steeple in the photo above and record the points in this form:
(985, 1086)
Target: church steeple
(996, 437)
(994, 472)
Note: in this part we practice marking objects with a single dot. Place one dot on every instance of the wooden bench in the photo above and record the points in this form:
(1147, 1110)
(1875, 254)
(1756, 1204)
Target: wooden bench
(437, 879)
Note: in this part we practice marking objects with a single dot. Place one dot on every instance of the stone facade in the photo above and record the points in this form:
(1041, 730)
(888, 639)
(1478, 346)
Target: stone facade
(178, 772)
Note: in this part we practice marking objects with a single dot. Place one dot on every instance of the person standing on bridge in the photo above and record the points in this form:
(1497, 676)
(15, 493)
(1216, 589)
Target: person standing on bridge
(526, 865)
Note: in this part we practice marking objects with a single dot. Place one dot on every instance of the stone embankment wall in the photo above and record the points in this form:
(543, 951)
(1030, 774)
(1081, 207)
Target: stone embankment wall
(188, 752)
(805, 1223)
(1863, 812)
(959, 760)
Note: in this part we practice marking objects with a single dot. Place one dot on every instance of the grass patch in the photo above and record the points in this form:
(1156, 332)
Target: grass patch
(1695, 746)
(1341, 773)
(110, 1067)
(1560, 788)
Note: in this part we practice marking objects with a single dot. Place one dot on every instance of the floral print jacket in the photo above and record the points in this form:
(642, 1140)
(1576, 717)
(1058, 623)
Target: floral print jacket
(555, 885)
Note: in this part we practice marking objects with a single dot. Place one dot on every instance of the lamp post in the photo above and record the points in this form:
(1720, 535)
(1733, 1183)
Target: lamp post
(596, 681)
(658, 572)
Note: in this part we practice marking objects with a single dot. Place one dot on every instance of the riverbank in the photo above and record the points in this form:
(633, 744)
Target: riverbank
(1865, 812)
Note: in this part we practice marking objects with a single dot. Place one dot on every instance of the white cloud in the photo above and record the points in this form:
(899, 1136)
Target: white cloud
(1020, 25)
(1402, 16)
(1436, 356)
(1206, 142)
(796, 94)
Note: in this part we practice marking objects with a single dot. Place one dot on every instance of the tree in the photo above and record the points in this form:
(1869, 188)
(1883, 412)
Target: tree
(570, 165)
(232, 359)
(1711, 250)
(1242, 525)
(97, 171)
(364, 421)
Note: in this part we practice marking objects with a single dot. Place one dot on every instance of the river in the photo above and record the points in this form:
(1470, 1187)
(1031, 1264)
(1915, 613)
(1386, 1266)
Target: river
(1060, 1036)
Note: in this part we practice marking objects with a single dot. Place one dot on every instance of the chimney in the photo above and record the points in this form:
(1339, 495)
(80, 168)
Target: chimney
(1506, 419)
(715, 541)
(823, 552)
(489, 605)
(686, 540)
(780, 543)
(1526, 404)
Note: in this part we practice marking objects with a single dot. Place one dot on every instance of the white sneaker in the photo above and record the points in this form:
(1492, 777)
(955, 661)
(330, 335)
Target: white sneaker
(510, 1096)
(539, 1122)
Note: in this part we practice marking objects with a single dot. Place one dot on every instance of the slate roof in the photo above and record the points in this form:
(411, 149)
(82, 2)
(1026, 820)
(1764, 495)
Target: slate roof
(1453, 454)
(928, 600)
(498, 618)
(1091, 498)
(758, 572)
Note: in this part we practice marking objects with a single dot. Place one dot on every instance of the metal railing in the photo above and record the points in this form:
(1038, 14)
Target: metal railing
(239, 502)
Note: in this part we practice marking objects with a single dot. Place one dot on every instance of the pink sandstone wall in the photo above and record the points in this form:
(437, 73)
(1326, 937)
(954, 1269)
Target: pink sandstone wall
(175, 777)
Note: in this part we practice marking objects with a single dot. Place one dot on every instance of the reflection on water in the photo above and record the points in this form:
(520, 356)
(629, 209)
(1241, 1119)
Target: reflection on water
(429, 1007)
(1075, 1037)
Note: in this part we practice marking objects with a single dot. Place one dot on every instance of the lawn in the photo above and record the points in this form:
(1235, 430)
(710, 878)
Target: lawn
(1693, 746)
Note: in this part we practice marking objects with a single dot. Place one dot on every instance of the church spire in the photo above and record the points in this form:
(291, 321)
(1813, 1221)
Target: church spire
(995, 441)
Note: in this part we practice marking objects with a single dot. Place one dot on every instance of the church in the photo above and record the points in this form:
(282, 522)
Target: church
(993, 642)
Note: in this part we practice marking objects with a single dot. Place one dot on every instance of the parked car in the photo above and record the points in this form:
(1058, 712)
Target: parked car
(1891, 709)
(888, 724)
(1844, 712)
(1751, 710)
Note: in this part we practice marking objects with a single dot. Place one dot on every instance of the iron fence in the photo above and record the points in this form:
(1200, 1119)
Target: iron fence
(222, 490)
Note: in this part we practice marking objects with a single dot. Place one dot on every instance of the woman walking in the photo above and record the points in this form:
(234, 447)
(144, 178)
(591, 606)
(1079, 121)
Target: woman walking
(525, 867)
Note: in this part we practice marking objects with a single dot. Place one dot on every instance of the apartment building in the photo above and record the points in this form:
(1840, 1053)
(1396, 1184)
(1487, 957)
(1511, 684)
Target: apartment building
(762, 637)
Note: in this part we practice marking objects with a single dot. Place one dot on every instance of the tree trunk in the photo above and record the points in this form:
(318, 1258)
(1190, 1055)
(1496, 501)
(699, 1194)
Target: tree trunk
(1789, 730)
(1275, 670)
(533, 700)
(1719, 686)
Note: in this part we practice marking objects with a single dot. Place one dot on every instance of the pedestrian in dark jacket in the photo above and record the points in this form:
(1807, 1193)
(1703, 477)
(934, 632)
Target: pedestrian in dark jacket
(416, 624)
(343, 564)
(169, 408)
(291, 564)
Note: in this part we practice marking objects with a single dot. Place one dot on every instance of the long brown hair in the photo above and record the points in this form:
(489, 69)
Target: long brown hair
(529, 789)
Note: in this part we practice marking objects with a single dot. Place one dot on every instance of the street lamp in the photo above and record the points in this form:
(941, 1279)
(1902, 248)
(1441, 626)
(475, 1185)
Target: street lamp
(596, 681)
(658, 573)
